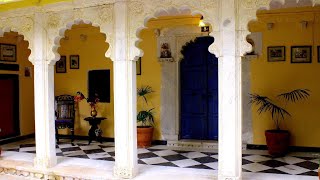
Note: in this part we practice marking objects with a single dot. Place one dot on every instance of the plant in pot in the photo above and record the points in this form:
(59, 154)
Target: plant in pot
(278, 139)
(145, 119)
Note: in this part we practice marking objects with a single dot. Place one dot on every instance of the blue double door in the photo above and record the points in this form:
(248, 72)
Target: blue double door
(199, 91)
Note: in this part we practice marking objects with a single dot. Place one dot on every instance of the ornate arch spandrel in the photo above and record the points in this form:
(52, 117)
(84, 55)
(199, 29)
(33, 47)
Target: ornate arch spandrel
(141, 11)
(248, 12)
(59, 21)
(23, 25)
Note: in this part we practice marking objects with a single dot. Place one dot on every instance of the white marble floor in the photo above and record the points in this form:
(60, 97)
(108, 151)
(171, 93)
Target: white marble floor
(166, 162)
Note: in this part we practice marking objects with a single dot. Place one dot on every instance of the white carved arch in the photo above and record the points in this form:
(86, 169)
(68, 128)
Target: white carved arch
(140, 13)
(58, 22)
(23, 26)
(247, 14)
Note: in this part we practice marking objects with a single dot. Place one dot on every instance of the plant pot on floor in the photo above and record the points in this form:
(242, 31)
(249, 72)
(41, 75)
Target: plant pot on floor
(144, 136)
(277, 142)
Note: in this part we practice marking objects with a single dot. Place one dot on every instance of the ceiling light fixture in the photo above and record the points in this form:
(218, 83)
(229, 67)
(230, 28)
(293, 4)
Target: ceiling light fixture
(201, 23)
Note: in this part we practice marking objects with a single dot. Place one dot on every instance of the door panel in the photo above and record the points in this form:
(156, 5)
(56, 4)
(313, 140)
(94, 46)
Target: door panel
(9, 119)
(213, 100)
(199, 91)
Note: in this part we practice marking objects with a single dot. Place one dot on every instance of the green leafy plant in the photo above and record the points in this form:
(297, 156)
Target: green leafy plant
(277, 112)
(145, 117)
(143, 91)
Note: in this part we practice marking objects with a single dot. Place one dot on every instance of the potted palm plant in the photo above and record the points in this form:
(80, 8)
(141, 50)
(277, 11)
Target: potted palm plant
(145, 119)
(278, 139)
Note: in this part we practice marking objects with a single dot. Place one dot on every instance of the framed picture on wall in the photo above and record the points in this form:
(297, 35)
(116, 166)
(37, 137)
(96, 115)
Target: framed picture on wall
(74, 61)
(138, 66)
(276, 53)
(8, 52)
(61, 65)
(301, 54)
(318, 53)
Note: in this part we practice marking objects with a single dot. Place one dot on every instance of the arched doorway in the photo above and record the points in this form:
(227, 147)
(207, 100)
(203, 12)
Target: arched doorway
(199, 91)
(16, 86)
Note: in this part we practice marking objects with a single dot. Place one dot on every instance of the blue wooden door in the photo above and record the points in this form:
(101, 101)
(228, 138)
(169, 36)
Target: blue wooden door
(199, 91)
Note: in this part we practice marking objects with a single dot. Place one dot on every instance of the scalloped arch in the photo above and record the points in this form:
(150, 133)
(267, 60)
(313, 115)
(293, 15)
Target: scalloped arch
(269, 5)
(25, 38)
(173, 11)
(68, 26)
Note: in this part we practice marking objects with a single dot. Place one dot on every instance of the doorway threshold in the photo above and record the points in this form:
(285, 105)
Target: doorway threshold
(194, 144)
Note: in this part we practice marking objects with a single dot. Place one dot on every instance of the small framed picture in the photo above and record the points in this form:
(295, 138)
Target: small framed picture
(318, 53)
(8, 52)
(138, 66)
(276, 53)
(301, 54)
(74, 61)
(61, 65)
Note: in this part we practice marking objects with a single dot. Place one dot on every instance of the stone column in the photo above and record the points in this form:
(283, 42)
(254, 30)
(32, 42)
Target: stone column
(43, 99)
(229, 96)
(125, 98)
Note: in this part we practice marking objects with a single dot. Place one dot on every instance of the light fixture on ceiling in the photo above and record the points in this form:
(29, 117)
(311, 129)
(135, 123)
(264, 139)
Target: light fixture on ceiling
(270, 26)
(201, 23)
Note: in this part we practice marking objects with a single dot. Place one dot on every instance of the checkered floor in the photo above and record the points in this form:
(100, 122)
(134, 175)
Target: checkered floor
(163, 156)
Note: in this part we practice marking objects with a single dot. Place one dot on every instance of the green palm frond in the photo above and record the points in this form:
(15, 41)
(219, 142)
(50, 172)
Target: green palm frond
(146, 116)
(295, 95)
(265, 105)
(143, 91)
(277, 113)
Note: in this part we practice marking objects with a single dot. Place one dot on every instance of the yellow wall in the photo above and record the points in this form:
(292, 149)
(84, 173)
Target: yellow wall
(150, 76)
(273, 78)
(92, 57)
(26, 98)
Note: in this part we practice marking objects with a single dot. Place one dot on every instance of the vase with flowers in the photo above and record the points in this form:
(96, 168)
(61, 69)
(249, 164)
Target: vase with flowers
(92, 102)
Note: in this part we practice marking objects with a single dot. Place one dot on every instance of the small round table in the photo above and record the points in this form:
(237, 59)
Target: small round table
(95, 132)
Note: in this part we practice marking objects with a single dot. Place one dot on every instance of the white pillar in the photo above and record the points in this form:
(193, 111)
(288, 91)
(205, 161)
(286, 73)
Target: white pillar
(229, 96)
(43, 99)
(125, 99)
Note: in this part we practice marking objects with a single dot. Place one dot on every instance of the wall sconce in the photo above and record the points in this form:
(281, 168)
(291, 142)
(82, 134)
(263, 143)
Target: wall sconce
(83, 37)
(270, 26)
(304, 24)
(201, 23)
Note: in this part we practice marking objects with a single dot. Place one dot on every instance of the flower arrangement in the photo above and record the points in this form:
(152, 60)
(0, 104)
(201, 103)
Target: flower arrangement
(92, 101)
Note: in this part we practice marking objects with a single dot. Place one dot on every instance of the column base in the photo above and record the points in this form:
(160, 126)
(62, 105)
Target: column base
(125, 172)
(222, 177)
(44, 163)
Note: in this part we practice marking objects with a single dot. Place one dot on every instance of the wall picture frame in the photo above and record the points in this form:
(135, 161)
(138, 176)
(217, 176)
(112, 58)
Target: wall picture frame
(301, 54)
(74, 62)
(138, 66)
(8, 52)
(276, 53)
(61, 65)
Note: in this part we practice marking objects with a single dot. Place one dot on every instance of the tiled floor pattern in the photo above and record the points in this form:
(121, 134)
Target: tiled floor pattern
(162, 156)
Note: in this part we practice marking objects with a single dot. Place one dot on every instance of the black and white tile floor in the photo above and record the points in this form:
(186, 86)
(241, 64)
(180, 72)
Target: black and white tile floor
(164, 156)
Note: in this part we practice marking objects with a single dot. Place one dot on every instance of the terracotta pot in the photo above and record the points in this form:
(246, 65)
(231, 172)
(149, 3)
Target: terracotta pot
(277, 142)
(144, 136)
